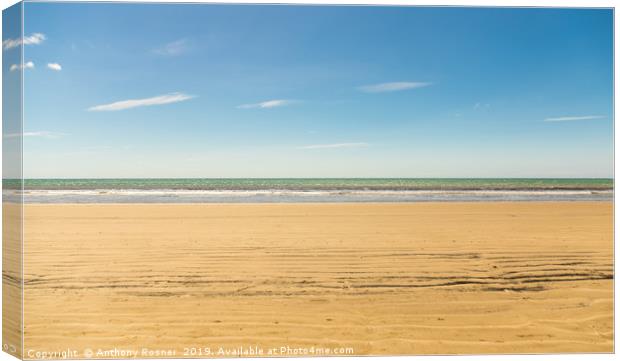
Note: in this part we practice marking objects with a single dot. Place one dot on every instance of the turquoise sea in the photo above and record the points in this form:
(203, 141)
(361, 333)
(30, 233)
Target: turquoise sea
(228, 190)
(324, 184)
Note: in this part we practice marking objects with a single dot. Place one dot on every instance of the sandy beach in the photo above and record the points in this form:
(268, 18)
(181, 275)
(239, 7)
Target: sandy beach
(363, 279)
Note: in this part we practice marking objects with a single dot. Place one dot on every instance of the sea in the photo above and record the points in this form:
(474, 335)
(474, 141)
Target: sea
(298, 190)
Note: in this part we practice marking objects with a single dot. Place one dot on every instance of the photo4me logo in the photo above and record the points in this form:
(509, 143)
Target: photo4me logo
(252, 351)
(188, 352)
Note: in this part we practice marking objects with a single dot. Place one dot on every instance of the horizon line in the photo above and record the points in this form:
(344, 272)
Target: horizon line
(160, 178)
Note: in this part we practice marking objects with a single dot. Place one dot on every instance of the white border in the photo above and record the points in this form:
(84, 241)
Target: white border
(477, 3)
(482, 3)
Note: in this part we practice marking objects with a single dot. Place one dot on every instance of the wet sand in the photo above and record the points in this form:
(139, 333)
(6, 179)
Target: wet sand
(425, 278)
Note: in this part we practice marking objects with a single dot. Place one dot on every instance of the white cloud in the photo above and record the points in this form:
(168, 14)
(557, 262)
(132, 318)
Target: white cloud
(176, 47)
(481, 106)
(336, 145)
(34, 39)
(268, 104)
(574, 118)
(41, 133)
(134, 103)
(391, 87)
(54, 66)
(27, 65)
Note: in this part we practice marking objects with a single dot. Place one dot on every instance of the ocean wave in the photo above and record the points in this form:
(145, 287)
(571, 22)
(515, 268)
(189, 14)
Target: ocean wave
(276, 192)
(283, 196)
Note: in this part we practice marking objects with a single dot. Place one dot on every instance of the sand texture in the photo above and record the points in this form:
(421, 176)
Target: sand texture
(425, 278)
(12, 278)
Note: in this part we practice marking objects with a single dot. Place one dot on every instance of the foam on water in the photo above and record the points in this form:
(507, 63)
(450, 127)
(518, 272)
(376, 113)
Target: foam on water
(284, 196)
(274, 190)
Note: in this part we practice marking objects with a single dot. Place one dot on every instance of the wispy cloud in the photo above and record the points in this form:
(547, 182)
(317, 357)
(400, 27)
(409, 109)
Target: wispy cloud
(176, 47)
(478, 106)
(268, 104)
(392, 87)
(34, 39)
(27, 65)
(574, 118)
(41, 134)
(54, 66)
(335, 145)
(134, 103)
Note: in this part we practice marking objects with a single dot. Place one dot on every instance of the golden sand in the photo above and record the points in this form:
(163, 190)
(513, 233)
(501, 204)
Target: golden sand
(11, 279)
(425, 278)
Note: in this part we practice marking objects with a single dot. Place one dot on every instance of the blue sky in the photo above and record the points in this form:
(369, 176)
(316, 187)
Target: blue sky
(139, 90)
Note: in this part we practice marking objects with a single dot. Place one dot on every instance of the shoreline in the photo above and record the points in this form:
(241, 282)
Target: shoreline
(459, 202)
(311, 190)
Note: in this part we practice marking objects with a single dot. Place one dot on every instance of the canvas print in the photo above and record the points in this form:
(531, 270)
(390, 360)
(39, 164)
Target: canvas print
(228, 180)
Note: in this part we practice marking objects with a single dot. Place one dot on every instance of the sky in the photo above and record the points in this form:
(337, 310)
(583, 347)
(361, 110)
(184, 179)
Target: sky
(145, 90)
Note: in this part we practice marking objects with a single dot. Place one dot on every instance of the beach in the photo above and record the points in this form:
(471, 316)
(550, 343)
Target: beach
(335, 278)
(214, 180)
